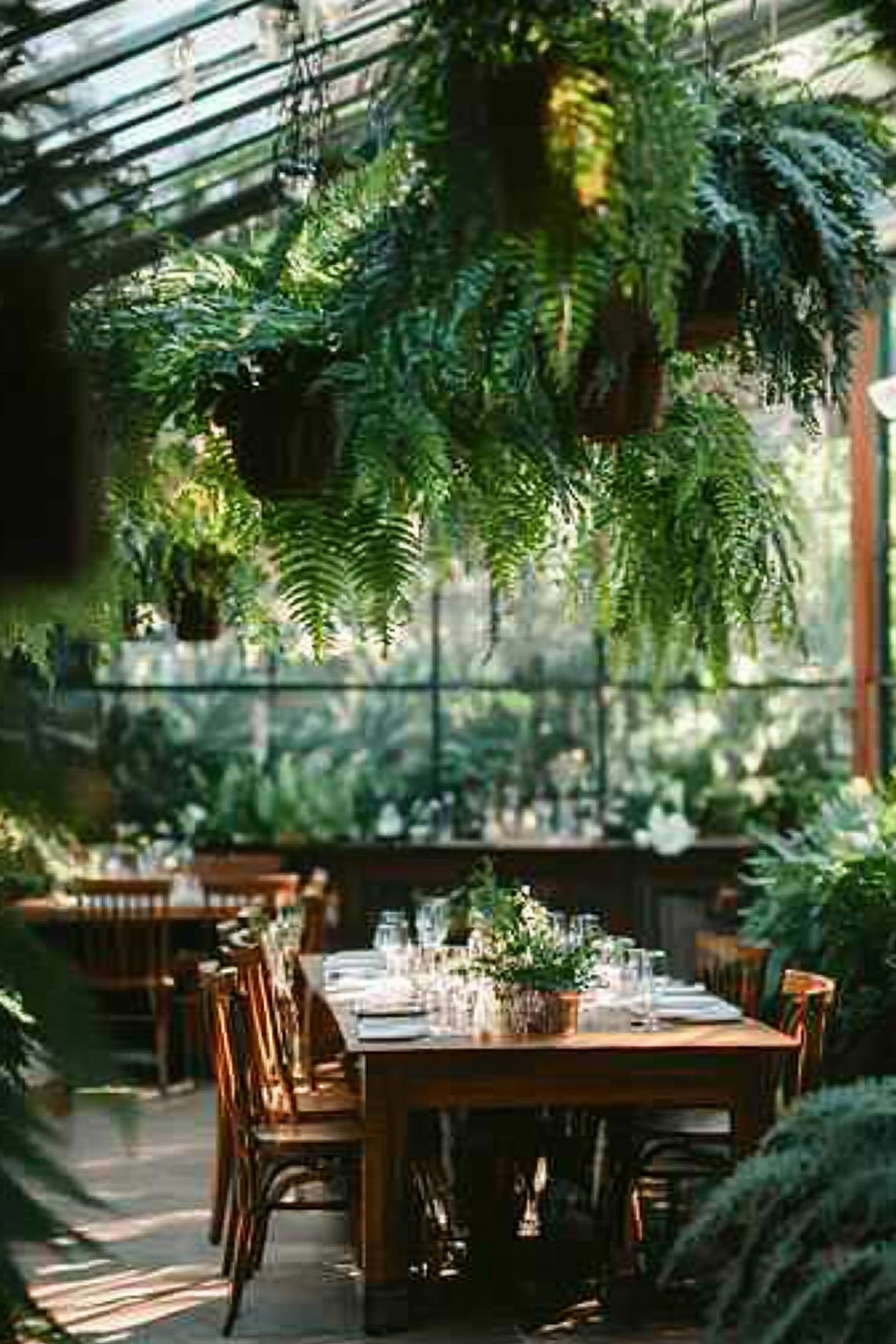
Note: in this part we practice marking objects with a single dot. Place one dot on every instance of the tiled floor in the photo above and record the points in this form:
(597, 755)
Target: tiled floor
(154, 1279)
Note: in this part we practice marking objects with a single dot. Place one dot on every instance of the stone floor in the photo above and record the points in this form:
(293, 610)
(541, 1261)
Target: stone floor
(154, 1278)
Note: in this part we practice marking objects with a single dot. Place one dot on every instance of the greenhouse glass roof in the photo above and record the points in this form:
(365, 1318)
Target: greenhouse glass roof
(181, 100)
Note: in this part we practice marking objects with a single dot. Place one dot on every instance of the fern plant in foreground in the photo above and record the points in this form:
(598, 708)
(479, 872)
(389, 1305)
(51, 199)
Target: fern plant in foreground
(700, 537)
(800, 1242)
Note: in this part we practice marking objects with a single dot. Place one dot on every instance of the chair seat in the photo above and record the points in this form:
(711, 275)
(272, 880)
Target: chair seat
(315, 1134)
(699, 1124)
(330, 1100)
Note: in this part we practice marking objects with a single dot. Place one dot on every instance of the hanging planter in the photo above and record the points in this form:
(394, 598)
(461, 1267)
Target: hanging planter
(196, 615)
(611, 404)
(284, 432)
(196, 582)
(710, 300)
(542, 134)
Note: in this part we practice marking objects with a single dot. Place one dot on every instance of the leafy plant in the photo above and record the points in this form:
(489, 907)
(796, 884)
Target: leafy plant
(44, 1013)
(189, 532)
(800, 1242)
(825, 900)
(699, 533)
(292, 797)
(788, 194)
(516, 943)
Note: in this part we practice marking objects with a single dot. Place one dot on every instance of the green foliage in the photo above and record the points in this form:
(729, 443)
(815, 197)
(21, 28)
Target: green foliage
(188, 524)
(800, 1242)
(790, 188)
(700, 536)
(289, 798)
(516, 943)
(825, 900)
(44, 1015)
(614, 109)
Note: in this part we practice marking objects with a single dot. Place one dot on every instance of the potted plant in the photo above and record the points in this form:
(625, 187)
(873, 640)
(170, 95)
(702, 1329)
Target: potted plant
(536, 976)
(190, 535)
(784, 253)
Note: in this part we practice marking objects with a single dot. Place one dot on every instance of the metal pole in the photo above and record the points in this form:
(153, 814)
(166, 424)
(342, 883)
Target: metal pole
(436, 692)
(600, 648)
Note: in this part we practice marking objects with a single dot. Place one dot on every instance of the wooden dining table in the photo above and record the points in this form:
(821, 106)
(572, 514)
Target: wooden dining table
(733, 1067)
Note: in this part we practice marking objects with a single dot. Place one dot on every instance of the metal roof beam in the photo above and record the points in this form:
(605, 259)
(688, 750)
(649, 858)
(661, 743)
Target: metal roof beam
(102, 57)
(48, 23)
(146, 248)
(226, 115)
(340, 37)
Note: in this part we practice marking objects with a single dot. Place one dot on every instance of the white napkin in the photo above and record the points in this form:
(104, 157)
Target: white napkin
(709, 1010)
(679, 987)
(392, 1028)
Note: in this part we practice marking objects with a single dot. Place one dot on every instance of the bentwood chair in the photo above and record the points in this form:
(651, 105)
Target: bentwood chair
(732, 969)
(672, 1149)
(273, 1165)
(121, 940)
(285, 1096)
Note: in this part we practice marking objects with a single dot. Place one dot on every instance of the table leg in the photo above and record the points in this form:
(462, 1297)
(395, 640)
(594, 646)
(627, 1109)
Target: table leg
(754, 1113)
(385, 1199)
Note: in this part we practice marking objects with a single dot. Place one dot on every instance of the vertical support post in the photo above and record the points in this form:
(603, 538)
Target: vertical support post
(600, 651)
(865, 594)
(436, 692)
(885, 655)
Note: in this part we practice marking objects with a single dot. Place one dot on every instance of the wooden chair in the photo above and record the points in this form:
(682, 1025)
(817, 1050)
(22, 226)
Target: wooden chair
(670, 1148)
(270, 891)
(732, 969)
(807, 1005)
(285, 1097)
(121, 939)
(272, 1164)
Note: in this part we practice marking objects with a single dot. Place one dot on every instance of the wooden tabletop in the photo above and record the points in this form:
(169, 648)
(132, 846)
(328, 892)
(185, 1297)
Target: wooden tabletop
(670, 1037)
(61, 909)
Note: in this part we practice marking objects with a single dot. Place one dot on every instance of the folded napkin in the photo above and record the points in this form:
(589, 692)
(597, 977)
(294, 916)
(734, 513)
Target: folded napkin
(709, 1010)
(392, 1028)
(679, 987)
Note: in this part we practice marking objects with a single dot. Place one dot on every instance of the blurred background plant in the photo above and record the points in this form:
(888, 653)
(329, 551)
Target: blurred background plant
(824, 898)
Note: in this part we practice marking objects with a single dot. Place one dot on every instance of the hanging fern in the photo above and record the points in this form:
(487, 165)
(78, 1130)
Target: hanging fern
(790, 192)
(800, 1243)
(700, 536)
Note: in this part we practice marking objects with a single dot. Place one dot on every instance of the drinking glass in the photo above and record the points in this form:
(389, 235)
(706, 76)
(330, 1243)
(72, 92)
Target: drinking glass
(644, 995)
(391, 937)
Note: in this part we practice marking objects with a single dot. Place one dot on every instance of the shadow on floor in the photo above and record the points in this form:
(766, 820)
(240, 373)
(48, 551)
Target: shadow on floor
(153, 1278)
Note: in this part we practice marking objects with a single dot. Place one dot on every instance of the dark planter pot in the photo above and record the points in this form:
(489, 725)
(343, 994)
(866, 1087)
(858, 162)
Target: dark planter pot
(285, 439)
(502, 125)
(633, 403)
(196, 615)
(50, 505)
(710, 304)
(497, 123)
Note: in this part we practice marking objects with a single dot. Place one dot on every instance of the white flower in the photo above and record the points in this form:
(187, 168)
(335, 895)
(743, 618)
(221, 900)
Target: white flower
(669, 832)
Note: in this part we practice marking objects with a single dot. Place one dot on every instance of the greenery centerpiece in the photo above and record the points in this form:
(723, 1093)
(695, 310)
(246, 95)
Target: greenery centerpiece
(825, 901)
(536, 974)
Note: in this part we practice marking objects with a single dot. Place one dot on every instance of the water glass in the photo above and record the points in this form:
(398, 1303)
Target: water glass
(644, 995)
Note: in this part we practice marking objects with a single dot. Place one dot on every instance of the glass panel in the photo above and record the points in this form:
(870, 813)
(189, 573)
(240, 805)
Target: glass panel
(757, 756)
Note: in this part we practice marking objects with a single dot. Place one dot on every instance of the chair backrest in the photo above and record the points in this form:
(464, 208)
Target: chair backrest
(732, 969)
(238, 1084)
(268, 1033)
(211, 867)
(121, 932)
(807, 1004)
(236, 892)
